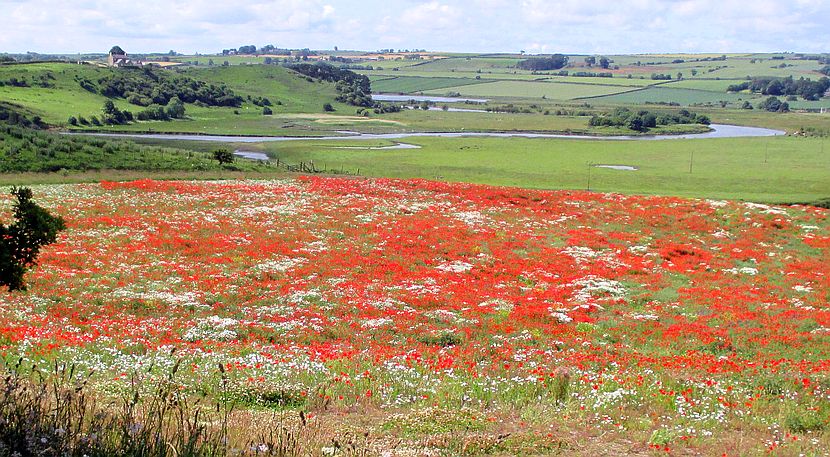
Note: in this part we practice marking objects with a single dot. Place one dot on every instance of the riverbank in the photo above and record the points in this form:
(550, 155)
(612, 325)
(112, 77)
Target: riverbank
(716, 131)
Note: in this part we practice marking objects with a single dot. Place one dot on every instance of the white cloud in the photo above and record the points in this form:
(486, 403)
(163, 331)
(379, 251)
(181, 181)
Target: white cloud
(595, 26)
(432, 15)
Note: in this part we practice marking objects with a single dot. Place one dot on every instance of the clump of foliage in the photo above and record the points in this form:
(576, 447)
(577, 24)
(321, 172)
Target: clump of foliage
(554, 62)
(354, 89)
(145, 87)
(223, 156)
(114, 116)
(29, 150)
(20, 243)
(773, 104)
(643, 120)
(174, 110)
(10, 116)
(805, 88)
(661, 77)
(260, 101)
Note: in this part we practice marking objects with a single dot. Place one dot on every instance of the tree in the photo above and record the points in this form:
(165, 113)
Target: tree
(604, 62)
(223, 156)
(266, 111)
(327, 107)
(773, 104)
(590, 61)
(20, 243)
(175, 109)
(554, 62)
(636, 123)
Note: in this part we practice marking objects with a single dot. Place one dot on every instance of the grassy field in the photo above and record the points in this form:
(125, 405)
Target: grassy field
(664, 94)
(759, 169)
(712, 85)
(66, 98)
(521, 89)
(789, 122)
(410, 84)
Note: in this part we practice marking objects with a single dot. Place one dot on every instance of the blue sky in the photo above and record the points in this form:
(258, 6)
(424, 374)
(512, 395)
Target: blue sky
(571, 26)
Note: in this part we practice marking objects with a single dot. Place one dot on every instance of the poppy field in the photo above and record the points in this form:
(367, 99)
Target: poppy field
(556, 318)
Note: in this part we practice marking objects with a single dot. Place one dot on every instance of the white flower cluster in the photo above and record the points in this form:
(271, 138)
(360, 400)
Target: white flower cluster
(743, 271)
(213, 328)
(280, 265)
(455, 267)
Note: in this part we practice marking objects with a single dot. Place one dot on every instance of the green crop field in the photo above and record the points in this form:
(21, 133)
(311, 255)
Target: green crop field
(556, 91)
(615, 81)
(469, 64)
(712, 85)
(669, 95)
(410, 84)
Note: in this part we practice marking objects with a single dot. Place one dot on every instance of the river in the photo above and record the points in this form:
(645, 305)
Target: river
(718, 131)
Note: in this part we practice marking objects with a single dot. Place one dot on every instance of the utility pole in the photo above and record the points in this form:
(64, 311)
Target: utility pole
(691, 160)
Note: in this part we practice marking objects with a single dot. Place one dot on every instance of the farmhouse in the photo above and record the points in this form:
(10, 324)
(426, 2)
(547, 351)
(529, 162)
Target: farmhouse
(118, 58)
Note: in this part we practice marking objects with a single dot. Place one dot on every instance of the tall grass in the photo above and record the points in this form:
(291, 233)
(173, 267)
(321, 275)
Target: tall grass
(56, 412)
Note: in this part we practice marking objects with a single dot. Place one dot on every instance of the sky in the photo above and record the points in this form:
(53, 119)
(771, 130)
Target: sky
(534, 26)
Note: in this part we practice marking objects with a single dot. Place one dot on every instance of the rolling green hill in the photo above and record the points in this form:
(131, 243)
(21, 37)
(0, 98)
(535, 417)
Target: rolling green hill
(54, 92)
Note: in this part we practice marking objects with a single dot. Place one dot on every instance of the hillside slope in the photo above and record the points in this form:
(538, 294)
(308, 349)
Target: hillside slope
(54, 92)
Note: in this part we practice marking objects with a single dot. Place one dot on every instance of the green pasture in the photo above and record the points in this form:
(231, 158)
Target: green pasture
(410, 84)
(712, 85)
(470, 64)
(296, 93)
(551, 90)
(781, 169)
(667, 95)
(66, 97)
(414, 72)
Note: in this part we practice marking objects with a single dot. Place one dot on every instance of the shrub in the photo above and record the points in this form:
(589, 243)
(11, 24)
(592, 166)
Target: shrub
(20, 242)
(223, 156)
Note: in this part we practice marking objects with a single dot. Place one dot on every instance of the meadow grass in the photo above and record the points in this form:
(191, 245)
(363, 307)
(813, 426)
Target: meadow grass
(667, 95)
(552, 90)
(66, 97)
(757, 169)
(409, 84)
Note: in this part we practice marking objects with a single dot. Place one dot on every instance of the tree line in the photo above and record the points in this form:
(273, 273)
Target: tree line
(352, 88)
(805, 88)
(145, 87)
(553, 62)
(643, 120)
